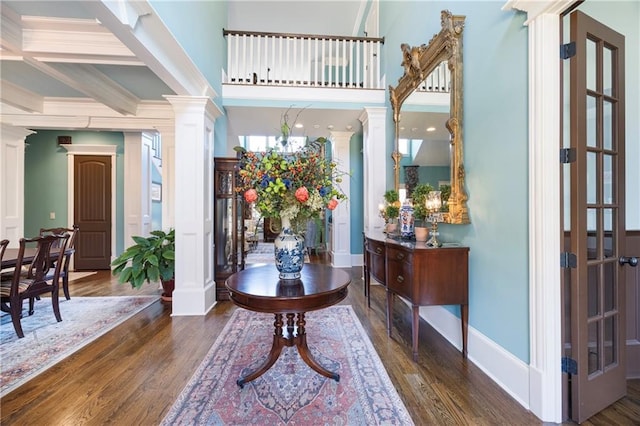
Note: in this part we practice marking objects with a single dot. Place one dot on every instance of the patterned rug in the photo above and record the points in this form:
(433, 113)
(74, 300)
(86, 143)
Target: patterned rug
(291, 393)
(47, 342)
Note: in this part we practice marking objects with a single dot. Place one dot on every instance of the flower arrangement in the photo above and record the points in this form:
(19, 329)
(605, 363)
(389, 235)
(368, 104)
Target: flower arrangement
(293, 186)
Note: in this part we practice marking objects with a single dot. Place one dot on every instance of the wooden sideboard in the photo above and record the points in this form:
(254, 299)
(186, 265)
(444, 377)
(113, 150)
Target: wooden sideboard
(423, 276)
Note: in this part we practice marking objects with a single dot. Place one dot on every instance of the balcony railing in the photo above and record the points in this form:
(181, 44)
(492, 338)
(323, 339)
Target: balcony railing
(303, 60)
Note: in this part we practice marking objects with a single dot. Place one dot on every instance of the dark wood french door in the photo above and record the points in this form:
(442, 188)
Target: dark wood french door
(594, 306)
(92, 211)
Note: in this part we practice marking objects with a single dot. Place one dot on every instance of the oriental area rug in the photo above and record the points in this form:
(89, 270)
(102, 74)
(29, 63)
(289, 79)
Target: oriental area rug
(291, 393)
(47, 341)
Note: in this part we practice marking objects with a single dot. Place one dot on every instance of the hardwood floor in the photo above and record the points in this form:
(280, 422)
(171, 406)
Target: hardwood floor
(133, 374)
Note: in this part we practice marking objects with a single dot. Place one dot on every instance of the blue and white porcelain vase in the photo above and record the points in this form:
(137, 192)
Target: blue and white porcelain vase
(407, 221)
(289, 252)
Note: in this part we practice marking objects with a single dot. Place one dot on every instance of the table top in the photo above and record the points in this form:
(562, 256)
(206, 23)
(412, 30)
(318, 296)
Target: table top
(260, 289)
(10, 257)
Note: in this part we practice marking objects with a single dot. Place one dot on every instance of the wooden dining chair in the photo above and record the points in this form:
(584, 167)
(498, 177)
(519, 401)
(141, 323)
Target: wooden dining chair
(64, 272)
(3, 247)
(34, 282)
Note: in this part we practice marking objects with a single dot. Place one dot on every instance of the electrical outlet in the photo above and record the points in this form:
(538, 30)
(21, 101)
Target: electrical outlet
(52, 215)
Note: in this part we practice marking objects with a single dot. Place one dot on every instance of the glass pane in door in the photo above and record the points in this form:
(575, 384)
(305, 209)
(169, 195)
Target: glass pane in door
(610, 348)
(592, 135)
(609, 287)
(591, 65)
(607, 125)
(607, 75)
(593, 346)
(593, 292)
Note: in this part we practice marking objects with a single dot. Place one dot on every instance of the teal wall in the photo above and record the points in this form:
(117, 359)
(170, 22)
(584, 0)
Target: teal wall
(356, 200)
(45, 179)
(197, 26)
(496, 155)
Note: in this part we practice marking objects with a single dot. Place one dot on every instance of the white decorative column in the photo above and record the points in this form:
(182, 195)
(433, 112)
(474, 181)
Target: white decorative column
(545, 313)
(340, 217)
(195, 291)
(167, 135)
(137, 197)
(12, 183)
(374, 148)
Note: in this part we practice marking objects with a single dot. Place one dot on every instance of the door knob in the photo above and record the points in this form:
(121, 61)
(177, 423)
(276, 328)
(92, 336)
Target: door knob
(632, 260)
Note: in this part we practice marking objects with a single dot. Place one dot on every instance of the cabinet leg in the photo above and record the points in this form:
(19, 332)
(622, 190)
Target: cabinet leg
(464, 317)
(415, 324)
(389, 312)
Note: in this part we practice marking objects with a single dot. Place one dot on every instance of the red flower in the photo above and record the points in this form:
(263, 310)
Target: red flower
(333, 203)
(250, 195)
(302, 194)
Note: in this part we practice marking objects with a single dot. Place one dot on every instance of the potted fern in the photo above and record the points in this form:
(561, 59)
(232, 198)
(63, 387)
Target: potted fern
(150, 259)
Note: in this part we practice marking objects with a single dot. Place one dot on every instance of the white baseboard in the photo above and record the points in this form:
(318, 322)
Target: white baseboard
(340, 260)
(508, 371)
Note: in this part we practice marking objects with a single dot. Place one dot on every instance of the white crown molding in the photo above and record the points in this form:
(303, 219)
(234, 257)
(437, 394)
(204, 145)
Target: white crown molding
(69, 39)
(535, 8)
(90, 149)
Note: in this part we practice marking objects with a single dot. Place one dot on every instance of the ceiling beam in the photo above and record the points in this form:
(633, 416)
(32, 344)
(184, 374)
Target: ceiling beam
(88, 80)
(20, 98)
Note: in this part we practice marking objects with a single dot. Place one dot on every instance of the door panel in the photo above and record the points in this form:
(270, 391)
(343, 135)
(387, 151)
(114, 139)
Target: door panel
(597, 237)
(92, 211)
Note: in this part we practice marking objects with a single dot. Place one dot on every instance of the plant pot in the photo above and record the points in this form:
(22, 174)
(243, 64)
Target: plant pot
(167, 287)
(422, 233)
(391, 227)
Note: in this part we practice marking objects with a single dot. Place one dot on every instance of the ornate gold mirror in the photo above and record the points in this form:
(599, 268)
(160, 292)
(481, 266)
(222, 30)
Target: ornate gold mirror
(420, 62)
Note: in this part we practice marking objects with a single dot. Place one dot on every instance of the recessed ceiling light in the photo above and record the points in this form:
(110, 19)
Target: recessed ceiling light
(298, 125)
(414, 129)
(401, 128)
(431, 129)
(330, 127)
(349, 127)
(316, 126)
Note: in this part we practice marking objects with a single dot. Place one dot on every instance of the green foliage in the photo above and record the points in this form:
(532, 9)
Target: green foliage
(418, 198)
(392, 211)
(391, 196)
(445, 193)
(150, 259)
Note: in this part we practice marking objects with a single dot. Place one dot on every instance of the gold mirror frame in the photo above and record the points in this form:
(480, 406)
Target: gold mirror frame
(419, 62)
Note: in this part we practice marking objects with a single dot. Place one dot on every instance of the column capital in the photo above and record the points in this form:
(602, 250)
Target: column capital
(193, 104)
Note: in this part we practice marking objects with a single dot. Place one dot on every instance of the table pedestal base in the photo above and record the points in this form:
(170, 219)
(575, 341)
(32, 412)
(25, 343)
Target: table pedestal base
(295, 336)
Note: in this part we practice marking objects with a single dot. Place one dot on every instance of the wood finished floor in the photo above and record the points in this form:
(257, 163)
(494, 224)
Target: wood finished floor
(133, 374)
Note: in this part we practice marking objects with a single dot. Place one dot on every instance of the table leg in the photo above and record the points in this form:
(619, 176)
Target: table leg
(305, 353)
(276, 347)
(299, 339)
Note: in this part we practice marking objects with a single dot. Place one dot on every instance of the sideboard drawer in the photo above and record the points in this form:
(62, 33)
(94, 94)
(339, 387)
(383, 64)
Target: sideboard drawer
(400, 277)
(399, 255)
(377, 251)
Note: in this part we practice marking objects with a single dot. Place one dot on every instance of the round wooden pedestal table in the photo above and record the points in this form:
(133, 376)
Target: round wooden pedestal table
(259, 289)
